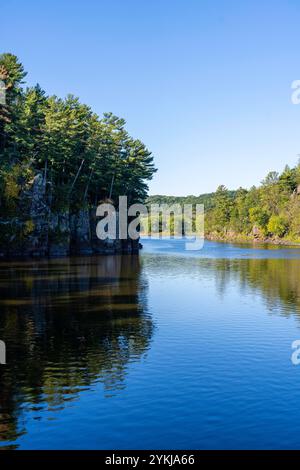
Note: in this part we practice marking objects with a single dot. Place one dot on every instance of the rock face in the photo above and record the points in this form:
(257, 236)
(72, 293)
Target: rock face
(37, 231)
(81, 242)
(36, 236)
(59, 234)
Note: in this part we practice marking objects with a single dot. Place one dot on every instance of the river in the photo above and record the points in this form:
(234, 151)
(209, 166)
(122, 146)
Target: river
(171, 349)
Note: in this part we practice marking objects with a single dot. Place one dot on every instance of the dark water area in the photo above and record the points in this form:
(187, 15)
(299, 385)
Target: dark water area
(172, 349)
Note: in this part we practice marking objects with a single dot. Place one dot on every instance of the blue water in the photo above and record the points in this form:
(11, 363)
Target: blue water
(175, 350)
(212, 249)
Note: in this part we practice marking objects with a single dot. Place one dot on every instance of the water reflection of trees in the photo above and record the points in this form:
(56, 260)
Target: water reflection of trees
(68, 324)
(276, 279)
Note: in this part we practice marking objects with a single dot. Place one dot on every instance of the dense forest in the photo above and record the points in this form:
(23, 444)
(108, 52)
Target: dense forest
(269, 211)
(59, 153)
(206, 199)
(58, 160)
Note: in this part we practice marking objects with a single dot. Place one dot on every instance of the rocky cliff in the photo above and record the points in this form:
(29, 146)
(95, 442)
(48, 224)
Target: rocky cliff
(33, 228)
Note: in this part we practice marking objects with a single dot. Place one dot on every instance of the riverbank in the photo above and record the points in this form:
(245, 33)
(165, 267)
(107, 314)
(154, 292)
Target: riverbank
(242, 238)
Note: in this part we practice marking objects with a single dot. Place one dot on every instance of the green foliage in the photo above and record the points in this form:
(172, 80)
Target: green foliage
(277, 225)
(258, 216)
(206, 199)
(12, 71)
(222, 208)
(83, 158)
(272, 209)
(288, 179)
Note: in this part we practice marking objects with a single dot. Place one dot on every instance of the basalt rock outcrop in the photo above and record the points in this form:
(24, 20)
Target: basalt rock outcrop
(34, 229)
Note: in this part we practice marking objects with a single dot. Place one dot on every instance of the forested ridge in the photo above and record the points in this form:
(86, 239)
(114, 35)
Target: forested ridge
(83, 158)
(268, 211)
(59, 152)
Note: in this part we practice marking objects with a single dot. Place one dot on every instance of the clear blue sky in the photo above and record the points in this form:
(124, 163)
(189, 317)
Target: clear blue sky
(205, 84)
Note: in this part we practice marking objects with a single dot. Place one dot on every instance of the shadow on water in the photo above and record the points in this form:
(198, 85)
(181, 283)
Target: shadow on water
(67, 324)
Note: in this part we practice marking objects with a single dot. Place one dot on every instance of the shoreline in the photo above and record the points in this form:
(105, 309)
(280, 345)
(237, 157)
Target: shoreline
(246, 240)
(251, 240)
(239, 239)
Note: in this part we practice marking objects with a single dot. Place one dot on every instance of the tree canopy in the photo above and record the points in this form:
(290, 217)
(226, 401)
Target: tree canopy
(269, 210)
(83, 158)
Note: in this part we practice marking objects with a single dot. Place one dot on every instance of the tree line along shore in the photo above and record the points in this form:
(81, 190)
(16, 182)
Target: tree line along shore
(59, 160)
(269, 212)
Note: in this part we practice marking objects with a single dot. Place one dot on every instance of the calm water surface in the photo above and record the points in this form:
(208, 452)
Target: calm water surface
(172, 349)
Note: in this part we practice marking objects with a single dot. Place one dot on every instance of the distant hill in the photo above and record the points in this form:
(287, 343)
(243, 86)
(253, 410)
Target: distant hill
(207, 199)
